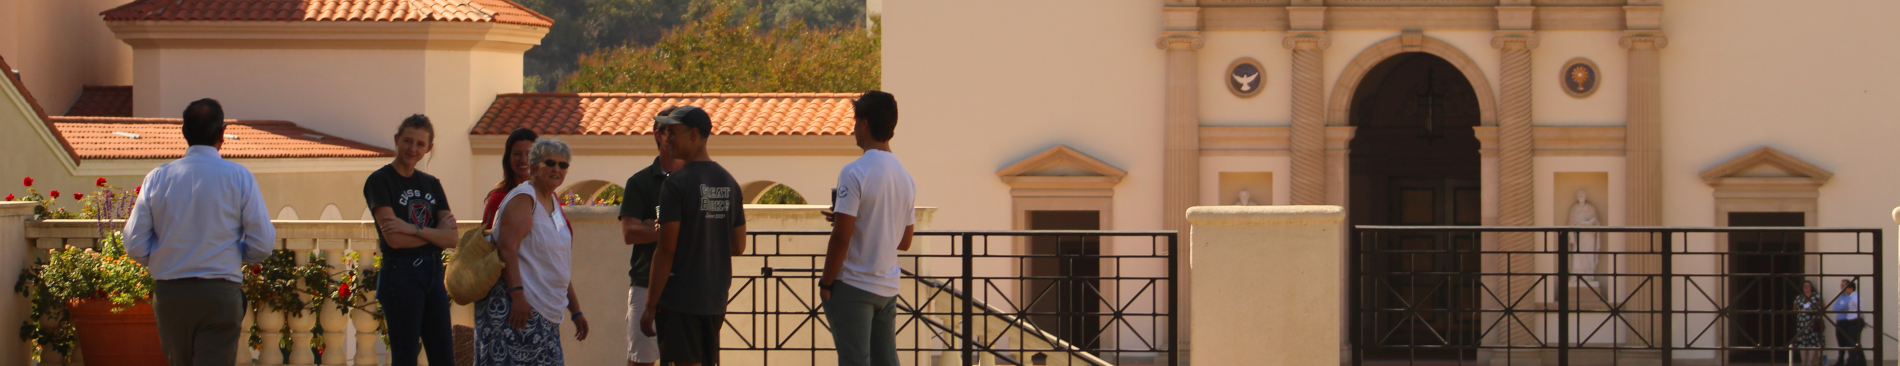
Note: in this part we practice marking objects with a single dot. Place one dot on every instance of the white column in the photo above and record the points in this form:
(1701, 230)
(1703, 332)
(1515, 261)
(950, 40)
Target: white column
(329, 316)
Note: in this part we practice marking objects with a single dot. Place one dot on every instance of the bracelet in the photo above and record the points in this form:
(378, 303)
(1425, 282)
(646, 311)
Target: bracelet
(575, 315)
(516, 288)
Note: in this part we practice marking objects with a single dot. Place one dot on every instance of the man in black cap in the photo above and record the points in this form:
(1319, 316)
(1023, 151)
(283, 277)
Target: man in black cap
(702, 224)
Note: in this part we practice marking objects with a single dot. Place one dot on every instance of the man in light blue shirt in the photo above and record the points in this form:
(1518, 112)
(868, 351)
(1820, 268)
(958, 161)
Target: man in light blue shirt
(197, 220)
(1847, 325)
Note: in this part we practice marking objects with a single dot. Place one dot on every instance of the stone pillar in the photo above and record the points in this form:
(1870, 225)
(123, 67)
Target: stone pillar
(1307, 137)
(366, 338)
(244, 356)
(270, 323)
(19, 253)
(1515, 204)
(329, 316)
(1182, 117)
(1181, 157)
(1294, 321)
(300, 326)
(1643, 156)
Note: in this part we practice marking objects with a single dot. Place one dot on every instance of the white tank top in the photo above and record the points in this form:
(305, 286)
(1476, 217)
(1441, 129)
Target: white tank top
(544, 257)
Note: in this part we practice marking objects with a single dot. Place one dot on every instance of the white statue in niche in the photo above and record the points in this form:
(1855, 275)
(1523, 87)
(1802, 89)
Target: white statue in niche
(1246, 198)
(1585, 243)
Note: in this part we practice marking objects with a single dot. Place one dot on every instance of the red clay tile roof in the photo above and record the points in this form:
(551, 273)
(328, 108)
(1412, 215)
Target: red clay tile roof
(103, 101)
(632, 113)
(37, 111)
(495, 11)
(159, 138)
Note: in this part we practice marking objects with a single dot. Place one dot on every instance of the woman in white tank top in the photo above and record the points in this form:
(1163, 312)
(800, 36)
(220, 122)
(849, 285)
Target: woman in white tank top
(519, 323)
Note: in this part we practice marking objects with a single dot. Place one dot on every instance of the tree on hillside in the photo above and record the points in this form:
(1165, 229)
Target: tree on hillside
(583, 27)
(725, 52)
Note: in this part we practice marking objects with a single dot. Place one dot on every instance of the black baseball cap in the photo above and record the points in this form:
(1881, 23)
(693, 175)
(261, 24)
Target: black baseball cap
(686, 115)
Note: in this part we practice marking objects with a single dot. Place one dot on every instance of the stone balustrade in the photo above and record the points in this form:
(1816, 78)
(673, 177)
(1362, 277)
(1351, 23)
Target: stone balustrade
(600, 261)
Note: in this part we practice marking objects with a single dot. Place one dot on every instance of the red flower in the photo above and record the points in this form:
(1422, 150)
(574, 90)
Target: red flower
(257, 270)
(55, 194)
(79, 195)
(9, 196)
(135, 190)
(29, 181)
(101, 182)
(343, 290)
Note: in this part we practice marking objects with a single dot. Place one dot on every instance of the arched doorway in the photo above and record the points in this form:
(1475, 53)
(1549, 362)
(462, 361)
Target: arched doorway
(1415, 161)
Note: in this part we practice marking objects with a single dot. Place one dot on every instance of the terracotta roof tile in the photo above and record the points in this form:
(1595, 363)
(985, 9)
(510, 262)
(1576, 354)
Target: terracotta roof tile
(159, 138)
(103, 101)
(632, 113)
(490, 11)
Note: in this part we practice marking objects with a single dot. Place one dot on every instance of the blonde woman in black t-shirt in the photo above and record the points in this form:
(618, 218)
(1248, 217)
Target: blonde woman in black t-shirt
(414, 225)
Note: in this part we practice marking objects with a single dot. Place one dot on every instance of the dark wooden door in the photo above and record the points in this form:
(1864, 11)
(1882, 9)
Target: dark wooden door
(1765, 272)
(1063, 292)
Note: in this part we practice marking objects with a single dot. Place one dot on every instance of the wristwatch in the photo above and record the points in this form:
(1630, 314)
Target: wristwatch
(827, 286)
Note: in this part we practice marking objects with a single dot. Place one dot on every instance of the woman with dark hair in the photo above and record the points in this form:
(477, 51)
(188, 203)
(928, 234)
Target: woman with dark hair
(1807, 323)
(414, 225)
(514, 170)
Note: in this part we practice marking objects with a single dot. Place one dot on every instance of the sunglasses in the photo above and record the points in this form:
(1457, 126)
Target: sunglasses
(551, 163)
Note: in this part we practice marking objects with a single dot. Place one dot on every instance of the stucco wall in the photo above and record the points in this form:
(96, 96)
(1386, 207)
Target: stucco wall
(980, 95)
(1812, 81)
(60, 46)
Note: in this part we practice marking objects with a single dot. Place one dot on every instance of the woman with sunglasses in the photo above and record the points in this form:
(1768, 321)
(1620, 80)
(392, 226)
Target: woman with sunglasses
(519, 322)
(414, 225)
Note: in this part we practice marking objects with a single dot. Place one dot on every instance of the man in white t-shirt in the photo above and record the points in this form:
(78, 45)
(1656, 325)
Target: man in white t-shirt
(872, 219)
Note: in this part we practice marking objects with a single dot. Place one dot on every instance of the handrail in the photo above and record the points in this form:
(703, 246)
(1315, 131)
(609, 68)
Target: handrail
(987, 309)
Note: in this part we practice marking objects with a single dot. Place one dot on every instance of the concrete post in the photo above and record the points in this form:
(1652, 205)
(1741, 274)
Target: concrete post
(1286, 259)
(16, 258)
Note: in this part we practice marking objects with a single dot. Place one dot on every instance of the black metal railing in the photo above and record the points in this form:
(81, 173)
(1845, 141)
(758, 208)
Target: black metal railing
(1606, 295)
(1039, 297)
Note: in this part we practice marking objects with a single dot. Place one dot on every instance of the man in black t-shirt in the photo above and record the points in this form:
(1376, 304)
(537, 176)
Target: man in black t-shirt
(702, 224)
(639, 225)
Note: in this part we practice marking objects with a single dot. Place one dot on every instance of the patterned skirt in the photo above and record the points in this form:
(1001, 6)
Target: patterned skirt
(1805, 335)
(497, 344)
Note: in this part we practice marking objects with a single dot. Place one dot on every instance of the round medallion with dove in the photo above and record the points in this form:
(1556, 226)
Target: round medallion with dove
(1579, 78)
(1245, 77)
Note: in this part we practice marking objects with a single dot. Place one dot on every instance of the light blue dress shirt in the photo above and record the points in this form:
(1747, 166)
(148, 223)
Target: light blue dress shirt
(199, 217)
(1849, 305)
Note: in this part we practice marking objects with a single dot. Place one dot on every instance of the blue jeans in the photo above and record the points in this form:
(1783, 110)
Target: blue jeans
(863, 325)
(415, 305)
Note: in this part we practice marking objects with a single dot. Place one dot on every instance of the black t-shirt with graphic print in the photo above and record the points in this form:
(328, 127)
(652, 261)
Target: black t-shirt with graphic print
(416, 199)
(705, 201)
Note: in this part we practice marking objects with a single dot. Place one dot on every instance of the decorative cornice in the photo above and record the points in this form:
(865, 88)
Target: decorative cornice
(1528, 39)
(1192, 39)
(1635, 37)
(1318, 38)
(1796, 169)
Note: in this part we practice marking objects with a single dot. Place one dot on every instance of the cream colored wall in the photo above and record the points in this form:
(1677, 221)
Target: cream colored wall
(356, 94)
(1550, 106)
(977, 96)
(61, 45)
(1272, 107)
(1813, 81)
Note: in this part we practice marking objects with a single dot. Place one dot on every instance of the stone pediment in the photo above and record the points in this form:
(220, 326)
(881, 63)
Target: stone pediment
(1061, 167)
(1766, 168)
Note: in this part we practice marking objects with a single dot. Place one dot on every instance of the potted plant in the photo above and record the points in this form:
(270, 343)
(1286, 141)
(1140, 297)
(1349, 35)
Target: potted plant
(99, 300)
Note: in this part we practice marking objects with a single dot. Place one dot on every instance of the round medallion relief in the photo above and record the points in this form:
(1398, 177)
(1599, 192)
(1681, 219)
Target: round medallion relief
(1245, 77)
(1579, 78)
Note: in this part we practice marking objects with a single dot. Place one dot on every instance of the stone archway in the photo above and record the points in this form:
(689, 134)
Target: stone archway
(1340, 104)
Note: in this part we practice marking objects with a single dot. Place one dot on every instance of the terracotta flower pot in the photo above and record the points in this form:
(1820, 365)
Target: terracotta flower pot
(125, 338)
